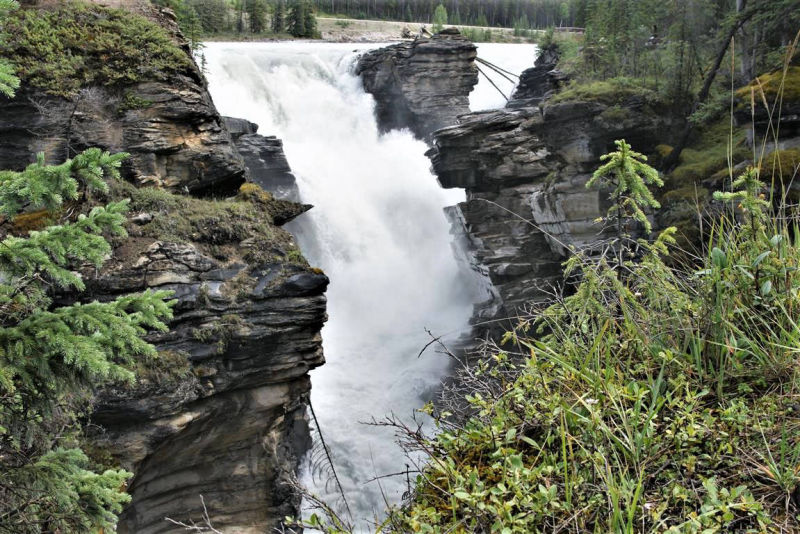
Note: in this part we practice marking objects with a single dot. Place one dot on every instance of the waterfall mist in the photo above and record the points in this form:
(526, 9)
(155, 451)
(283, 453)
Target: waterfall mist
(378, 231)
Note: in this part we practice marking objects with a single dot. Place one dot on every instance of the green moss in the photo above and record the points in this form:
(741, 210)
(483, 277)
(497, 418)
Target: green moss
(167, 367)
(612, 92)
(615, 113)
(781, 165)
(208, 221)
(77, 44)
(708, 155)
(772, 84)
(221, 331)
(296, 256)
(132, 101)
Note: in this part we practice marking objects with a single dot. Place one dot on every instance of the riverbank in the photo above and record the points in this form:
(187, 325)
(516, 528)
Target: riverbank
(343, 30)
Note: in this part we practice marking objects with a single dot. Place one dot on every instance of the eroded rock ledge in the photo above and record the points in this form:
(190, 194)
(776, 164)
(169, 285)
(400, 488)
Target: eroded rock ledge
(222, 412)
(423, 84)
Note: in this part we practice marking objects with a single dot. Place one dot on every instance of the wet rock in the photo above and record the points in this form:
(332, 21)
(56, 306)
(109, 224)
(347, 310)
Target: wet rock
(423, 84)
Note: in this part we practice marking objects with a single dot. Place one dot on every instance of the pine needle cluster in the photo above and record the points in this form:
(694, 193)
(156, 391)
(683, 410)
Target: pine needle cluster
(52, 357)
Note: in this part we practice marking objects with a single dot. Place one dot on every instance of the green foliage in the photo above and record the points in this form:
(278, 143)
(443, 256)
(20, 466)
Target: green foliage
(613, 91)
(628, 177)
(301, 20)
(53, 356)
(257, 9)
(9, 82)
(76, 45)
(279, 17)
(439, 18)
(661, 401)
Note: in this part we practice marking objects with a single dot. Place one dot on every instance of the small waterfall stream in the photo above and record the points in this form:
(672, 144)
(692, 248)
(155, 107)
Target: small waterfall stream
(378, 231)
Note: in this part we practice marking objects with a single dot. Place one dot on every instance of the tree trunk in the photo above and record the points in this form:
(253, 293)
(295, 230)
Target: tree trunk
(672, 160)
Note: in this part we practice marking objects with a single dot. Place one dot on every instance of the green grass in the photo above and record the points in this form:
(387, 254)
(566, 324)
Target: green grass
(217, 226)
(76, 44)
(657, 401)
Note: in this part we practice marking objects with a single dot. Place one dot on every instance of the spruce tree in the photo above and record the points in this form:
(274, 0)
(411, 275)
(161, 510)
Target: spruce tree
(54, 355)
(627, 176)
(310, 21)
(8, 81)
(279, 17)
(297, 19)
(439, 18)
(257, 10)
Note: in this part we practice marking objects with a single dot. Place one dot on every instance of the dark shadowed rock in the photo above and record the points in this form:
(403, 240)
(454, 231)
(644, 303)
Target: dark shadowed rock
(422, 85)
(265, 160)
(525, 170)
(537, 82)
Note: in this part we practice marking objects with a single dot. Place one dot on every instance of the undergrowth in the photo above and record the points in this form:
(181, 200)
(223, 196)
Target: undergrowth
(80, 44)
(653, 398)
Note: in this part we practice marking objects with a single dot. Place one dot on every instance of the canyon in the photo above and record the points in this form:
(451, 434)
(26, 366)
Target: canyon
(524, 168)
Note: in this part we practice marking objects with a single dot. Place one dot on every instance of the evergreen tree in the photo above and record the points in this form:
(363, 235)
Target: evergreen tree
(257, 11)
(439, 18)
(297, 19)
(310, 22)
(279, 17)
(8, 81)
(628, 176)
(53, 356)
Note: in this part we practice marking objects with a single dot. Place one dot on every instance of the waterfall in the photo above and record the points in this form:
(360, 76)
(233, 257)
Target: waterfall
(377, 229)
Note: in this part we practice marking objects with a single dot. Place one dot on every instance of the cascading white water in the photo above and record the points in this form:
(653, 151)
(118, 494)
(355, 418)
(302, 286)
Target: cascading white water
(378, 231)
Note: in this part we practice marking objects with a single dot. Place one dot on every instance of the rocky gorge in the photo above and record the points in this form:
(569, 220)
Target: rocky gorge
(524, 169)
(222, 412)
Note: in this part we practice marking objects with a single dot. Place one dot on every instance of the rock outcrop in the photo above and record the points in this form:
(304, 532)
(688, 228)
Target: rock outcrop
(423, 84)
(222, 412)
(525, 171)
(171, 128)
(264, 158)
(539, 81)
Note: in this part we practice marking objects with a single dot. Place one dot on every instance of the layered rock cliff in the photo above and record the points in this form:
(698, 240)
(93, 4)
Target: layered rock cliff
(423, 84)
(264, 159)
(524, 169)
(222, 412)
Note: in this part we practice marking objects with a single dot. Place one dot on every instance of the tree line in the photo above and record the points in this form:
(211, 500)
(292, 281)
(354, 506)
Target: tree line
(499, 13)
(203, 17)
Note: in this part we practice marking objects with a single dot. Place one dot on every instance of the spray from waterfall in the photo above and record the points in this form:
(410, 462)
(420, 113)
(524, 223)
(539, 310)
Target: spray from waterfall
(377, 229)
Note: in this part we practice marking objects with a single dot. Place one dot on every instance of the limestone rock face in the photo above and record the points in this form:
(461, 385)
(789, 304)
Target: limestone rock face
(174, 134)
(227, 418)
(171, 128)
(423, 84)
(264, 158)
(525, 170)
(222, 411)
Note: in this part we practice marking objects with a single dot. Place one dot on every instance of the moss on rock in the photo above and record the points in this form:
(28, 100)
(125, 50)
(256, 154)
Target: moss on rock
(71, 45)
